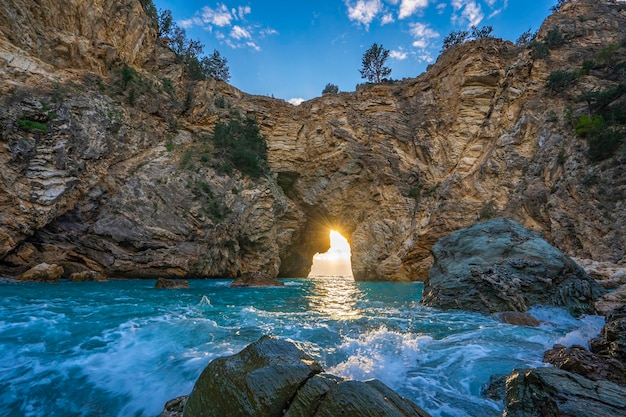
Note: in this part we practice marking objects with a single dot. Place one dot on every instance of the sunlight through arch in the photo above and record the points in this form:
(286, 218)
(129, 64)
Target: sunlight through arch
(335, 261)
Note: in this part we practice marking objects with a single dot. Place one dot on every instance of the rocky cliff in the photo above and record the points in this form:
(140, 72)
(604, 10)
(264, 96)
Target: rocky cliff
(105, 163)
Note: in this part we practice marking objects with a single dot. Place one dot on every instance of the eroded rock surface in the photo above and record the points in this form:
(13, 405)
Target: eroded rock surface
(111, 178)
(554, 392)
(612, 339)
(499, 265)
(581, 361)
(42, 273)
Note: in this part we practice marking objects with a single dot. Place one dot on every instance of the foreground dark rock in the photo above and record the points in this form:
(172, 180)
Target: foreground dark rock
(499, 265)
(42, 273)
(274, 378)
(171, 284)
(544, 392)
(580, 361)
(256, 279)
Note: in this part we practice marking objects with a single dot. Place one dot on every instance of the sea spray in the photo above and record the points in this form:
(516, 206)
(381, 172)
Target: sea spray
(123, 348)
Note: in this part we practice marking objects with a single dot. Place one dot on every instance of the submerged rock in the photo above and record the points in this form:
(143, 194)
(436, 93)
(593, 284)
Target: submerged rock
(517, 318)
(87, 276)
(554, 392)
(171, 284)
(273, 378)
(256, 279)
(499, 265)
(42, 273)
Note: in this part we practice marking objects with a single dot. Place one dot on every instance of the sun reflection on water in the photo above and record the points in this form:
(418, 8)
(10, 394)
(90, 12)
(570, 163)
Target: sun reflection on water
(336, 297)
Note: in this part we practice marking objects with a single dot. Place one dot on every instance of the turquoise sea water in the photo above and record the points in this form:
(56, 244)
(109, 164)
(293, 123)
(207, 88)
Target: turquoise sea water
(123, 348)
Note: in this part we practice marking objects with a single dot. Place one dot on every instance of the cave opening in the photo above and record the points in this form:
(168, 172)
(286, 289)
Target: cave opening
(336, 261)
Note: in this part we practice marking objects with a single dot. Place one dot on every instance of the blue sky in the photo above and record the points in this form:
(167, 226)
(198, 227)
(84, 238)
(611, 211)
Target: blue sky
(292, 49)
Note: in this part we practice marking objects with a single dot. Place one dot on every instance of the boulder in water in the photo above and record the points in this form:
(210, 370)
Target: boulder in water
(42, 273)
(273, 378)
(258, 381)
(171, 284)
(256, 279)
(87, 276)
(555, 392)
(499, 265)
(517, 318)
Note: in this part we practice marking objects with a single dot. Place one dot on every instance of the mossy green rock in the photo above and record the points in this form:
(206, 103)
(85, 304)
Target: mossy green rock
(499, 265)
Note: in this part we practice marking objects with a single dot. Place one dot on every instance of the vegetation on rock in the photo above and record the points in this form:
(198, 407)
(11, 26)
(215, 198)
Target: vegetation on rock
(457, 37)
(330, 89)
(373, 64)
(241, 144)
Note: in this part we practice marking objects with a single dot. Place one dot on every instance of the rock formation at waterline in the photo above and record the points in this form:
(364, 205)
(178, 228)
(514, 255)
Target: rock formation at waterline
(105, 163)
(271, 377)
(499, 265)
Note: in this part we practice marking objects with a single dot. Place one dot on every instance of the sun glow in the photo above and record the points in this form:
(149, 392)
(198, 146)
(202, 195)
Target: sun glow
(335, 261)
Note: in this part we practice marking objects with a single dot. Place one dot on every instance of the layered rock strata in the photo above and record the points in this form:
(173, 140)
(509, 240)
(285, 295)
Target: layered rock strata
(100, 166)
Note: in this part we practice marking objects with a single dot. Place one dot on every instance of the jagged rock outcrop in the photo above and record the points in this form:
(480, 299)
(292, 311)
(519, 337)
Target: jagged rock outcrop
(580, 361)
(554, 392)
(273, 378)
(100, 167)
(499, 265)
(612, 340)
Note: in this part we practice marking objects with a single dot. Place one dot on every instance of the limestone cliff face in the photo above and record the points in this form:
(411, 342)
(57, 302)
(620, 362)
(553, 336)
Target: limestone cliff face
(112, 184)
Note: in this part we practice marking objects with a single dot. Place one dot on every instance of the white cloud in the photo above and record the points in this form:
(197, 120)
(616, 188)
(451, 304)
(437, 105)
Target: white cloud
(399, 55)
(295, 101)
(268, 32)
(388, 18)
(441, 7)
(187, 23)
(408, 7)
(253, 46)
(220, 16)
(471, 12)
(237, 32)
(243, 11)
(492, 4)
(364, 11)
(422, 34)
(233, 21)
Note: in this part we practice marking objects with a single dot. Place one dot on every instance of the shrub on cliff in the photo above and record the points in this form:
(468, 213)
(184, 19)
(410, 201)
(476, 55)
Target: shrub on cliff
(560, 80)
(241, 144)
(190, 52)
(330, 89)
